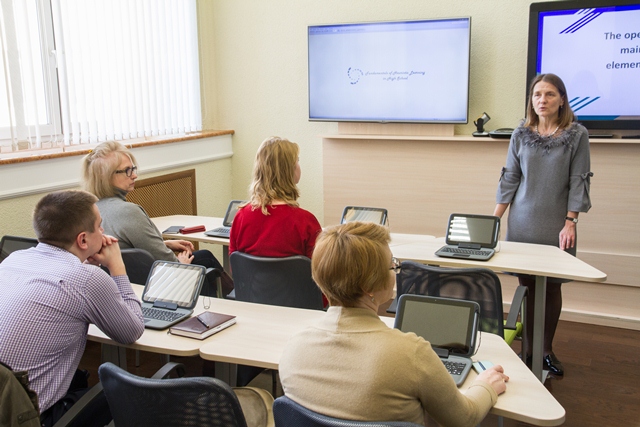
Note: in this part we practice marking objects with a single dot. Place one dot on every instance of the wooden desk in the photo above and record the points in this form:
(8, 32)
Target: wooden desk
(541, 261)
(262, 331)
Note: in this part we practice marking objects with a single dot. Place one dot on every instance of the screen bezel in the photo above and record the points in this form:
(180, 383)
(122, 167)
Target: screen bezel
(532, 55)
(495, 232)
(379, 120)
(473, 318)
(175, 266)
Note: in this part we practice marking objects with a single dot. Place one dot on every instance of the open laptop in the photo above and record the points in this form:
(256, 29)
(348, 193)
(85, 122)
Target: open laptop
(10, 244)
(450, 325)
(225, 230)
(171, 293)
(364, 214)
(471, 237)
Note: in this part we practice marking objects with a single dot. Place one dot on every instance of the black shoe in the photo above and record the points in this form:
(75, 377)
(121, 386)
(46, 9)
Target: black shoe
(552, 364)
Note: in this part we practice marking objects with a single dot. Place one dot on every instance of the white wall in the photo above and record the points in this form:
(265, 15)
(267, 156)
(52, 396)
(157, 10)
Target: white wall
(260, 75)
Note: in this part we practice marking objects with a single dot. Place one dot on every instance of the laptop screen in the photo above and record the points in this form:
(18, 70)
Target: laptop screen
(446, 323)
(173, 282)
(482, 230)
(232, 210)
(357, 213)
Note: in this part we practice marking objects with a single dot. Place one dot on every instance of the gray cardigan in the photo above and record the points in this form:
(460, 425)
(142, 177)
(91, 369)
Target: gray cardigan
(133, 227)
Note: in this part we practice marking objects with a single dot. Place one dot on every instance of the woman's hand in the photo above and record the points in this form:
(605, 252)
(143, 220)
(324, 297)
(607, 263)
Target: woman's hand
(185, 257)
(179, 245)
(496, 378)
(568, 236)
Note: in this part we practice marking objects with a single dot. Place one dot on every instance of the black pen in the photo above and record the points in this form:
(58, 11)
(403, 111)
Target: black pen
(203, 322)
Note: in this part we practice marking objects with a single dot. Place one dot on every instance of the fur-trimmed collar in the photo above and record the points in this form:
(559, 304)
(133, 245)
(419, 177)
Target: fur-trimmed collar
(563, 138)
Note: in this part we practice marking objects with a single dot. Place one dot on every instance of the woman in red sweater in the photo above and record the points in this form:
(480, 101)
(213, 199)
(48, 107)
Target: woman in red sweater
(272, 224)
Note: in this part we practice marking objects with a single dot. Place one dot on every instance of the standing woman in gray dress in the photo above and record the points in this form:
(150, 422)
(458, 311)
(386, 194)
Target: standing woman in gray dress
(545, 184)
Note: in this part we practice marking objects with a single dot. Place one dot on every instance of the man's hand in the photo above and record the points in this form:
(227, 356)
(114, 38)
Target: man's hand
(109, 256)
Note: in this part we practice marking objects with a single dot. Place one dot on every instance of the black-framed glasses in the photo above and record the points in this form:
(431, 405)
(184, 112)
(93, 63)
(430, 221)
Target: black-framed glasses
(396, 265)
(127, 171)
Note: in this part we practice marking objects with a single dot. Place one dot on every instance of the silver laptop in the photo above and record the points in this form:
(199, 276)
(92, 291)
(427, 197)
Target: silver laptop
(171, 293)
(450, 325)
(227, 222)
(364, 214)
(471, 237)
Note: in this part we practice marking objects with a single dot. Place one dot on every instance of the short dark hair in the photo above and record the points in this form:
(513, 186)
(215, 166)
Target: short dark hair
(60, 216)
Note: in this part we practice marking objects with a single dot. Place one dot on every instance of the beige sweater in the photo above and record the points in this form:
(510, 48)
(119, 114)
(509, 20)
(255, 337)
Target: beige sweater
(353, 366)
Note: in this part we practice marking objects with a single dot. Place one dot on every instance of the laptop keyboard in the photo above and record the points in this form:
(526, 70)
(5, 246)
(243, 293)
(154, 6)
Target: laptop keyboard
(466, 251)
(158, 314)
(454, 368)
(222, 230)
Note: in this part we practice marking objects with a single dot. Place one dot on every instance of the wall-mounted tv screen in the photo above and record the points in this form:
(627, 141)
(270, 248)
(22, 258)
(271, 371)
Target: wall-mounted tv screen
(409, 71)
(594, 46)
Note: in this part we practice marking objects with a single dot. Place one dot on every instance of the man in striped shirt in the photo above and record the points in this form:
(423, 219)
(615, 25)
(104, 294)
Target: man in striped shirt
(51, 293)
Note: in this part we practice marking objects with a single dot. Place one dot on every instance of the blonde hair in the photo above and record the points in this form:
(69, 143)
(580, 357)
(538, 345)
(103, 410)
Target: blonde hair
(99, 165)
(351, 260)
(565, 115)
(274, 174)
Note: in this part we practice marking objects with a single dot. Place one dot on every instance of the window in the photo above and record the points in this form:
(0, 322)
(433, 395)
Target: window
(123, 69)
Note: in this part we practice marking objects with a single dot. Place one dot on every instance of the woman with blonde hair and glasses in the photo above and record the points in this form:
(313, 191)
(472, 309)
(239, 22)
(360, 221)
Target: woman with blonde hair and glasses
(109, 172)
(352, 366)
(272, 223)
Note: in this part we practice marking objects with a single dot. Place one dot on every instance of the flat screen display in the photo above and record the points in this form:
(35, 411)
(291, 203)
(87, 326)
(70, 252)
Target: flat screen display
(594, 47)
(409, 71)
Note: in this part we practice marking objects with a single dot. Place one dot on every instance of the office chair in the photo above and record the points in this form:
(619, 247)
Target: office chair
(173, 402)
(138, 263)
(474, 284)
(275, 281)
(288, 413)
(9, 244)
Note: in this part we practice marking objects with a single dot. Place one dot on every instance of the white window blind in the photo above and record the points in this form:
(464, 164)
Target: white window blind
(125, 68)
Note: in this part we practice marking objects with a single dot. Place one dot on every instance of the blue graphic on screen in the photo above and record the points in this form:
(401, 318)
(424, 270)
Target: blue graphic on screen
(596, 52)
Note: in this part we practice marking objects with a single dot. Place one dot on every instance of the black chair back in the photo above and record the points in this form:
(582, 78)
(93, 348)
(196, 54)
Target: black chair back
(473, 284)
(275, 281)
(138, 263)
(9, 244)
(288, 413)
(172, 402)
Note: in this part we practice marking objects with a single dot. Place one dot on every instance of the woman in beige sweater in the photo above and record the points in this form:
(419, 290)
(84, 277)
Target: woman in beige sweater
(353, 366)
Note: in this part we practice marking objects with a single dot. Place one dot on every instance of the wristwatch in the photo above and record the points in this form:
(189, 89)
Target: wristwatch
(574, 220)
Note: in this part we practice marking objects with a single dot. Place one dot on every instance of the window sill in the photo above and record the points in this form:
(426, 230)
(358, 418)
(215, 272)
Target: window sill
(81, 150)
(45, 171)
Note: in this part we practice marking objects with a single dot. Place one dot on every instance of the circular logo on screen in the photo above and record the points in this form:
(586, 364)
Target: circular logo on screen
(354, 75)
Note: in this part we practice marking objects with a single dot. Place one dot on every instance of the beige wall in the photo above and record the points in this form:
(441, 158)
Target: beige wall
(260, 76)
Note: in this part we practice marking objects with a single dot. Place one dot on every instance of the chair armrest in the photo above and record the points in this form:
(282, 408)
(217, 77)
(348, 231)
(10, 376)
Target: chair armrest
(516, 304)
(217, 274)
(85, 408)
(168, 368)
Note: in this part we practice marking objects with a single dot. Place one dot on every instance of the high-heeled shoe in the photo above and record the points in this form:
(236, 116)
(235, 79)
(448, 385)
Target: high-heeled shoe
(553, 365)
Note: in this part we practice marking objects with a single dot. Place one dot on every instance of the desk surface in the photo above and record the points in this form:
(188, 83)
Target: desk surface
(261, 331)
(513, 257)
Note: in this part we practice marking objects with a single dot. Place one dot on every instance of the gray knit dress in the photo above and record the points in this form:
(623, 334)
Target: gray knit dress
(545, 177)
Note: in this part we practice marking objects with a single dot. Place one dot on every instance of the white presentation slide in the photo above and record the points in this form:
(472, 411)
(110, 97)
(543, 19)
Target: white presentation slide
(390, 71)
(596, 52)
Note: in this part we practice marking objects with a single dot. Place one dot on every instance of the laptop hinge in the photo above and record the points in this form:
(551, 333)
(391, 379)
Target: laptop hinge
(469, 246)
(167, 305)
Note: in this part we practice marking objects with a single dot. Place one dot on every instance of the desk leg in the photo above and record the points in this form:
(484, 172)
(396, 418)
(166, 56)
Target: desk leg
(114, 354)
(538, 326)
(227, 372)
(225, 259)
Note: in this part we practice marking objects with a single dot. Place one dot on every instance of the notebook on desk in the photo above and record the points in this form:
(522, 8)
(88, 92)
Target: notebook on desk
(171, 293)
(450, 326)
(227, 222)
(471, 237)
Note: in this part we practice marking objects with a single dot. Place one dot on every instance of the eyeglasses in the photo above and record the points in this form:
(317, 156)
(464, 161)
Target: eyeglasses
(397, 265)
(127, 171)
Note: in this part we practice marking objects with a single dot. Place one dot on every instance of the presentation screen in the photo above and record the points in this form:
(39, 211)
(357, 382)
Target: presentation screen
(594, 47)
(410, 71)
